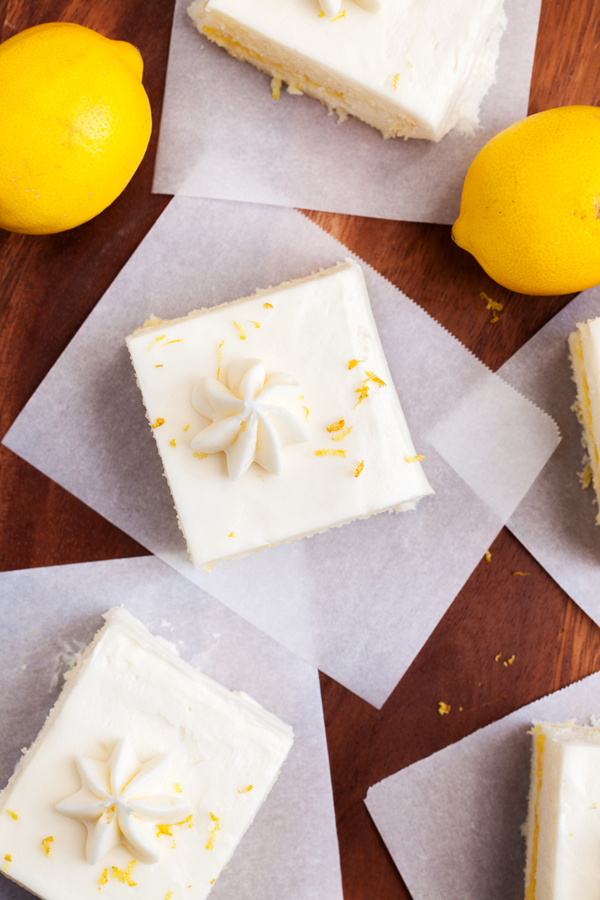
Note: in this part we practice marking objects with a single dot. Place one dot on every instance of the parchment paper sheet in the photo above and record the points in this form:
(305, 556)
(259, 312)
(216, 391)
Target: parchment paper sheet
(556, 520)
(223, 136)
(452, 822)
(359, 601)
(291, 850)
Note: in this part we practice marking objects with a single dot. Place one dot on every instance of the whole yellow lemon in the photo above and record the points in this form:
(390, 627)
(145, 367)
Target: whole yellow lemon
(530, 209)
(75, 122)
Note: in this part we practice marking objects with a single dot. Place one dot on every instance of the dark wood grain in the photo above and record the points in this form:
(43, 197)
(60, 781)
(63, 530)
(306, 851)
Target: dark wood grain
(48, 285)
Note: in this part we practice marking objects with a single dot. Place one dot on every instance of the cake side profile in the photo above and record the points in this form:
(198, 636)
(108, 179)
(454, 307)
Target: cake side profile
(146, 773)
(563, 824)
(584, 348)
(276, 417)
(409, 70)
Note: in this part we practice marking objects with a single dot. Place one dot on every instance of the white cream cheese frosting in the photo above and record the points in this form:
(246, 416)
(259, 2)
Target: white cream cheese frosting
(144, 738)
(563, 825)
(418, 68)
(118, 803)
(584, 347)
(348, 451)
(246, 424)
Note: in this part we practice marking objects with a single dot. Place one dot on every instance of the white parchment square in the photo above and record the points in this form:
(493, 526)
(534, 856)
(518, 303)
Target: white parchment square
(49, 614)
(359, 601)
(452, 822)
(223, 136)
(556, 520)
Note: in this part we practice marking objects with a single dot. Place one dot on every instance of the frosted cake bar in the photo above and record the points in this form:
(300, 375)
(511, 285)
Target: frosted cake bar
(408, 69)
(563, 825)
(584, 347)
(145, 774)
(276, 416)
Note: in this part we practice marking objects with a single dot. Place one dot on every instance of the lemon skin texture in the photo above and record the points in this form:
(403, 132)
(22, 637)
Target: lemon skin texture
(75, 123)
(530, 208)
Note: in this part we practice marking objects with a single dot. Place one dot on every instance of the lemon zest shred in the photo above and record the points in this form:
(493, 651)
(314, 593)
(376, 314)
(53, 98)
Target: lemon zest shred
(177, 787)
(173, 443)
(444, 708)
(488, 556)
(492, 305)
(268, 305)
(158, 423)
(342, 434)
(246, 789)
(241, 331)
(363, 392)
(46, 845)
(217, 827)
(200, 455)
(374, 378)
(12, 814)
(359, 468)
(412, 459)
(220, 358)
(339, 16)
(124, 875)
(337, 426)
(341, 453)
(103, 879)
(156, 340)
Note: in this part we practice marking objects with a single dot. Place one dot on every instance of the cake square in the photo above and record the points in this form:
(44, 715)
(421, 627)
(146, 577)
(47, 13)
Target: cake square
(584, 347)
(307, 429)
(563, 825)
(146, 773)
(409, 69)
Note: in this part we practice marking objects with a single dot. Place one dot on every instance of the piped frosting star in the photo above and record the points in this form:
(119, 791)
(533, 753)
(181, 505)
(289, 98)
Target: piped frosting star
(332, 7)
(245, 424)
(117, 803)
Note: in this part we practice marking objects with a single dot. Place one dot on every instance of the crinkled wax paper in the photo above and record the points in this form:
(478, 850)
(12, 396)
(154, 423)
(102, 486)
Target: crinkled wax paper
(359, 601)
(223, 136)
(556, 520)
(452, 822)
(48, 615)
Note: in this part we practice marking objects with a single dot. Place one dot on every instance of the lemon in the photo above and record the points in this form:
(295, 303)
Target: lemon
(75, 122)
(530, 209)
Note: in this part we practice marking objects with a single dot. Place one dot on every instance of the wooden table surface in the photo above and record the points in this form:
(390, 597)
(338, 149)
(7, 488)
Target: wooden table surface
(48, 285)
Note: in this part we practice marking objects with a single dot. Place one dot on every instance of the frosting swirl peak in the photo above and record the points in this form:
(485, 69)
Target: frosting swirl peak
(245, 424)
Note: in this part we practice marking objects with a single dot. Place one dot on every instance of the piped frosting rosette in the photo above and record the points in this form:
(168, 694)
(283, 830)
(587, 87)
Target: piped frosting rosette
(246, 423)
(332, 7)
